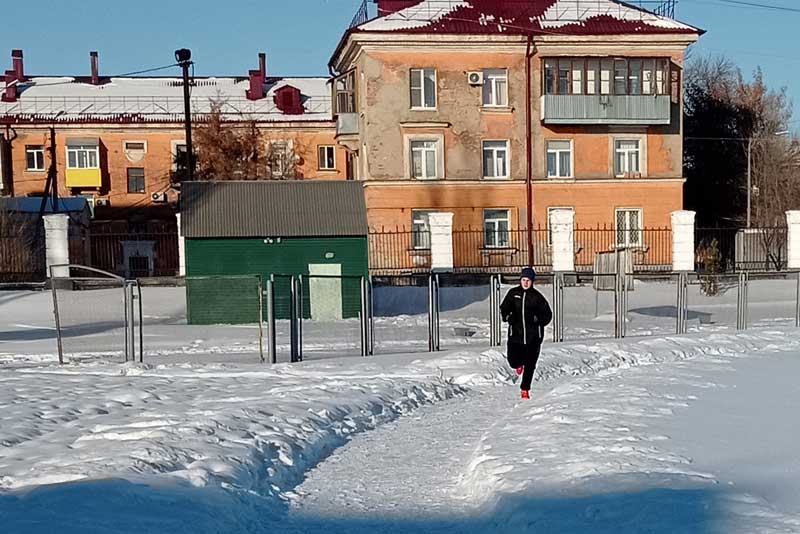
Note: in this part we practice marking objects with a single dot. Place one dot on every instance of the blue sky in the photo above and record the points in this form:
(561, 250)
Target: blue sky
(299, 35)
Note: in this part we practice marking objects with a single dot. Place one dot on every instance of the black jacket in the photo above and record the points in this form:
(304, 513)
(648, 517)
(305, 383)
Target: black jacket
(527, 313)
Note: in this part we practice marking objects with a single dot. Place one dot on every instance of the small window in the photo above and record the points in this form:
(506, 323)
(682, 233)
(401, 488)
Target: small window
(605, 76)
(627, 161)
(424, 159)
(495, 87)
(34, 158)
(280, 161)
(327, 158)
(629, 227)
(559, 159)
(420, 230)
(563, 76)
(620, 77)
(83, 156)
(423, 88)
(135, 180)
(577, 77)
(495, 159)
(635, 77)
(496, 225)
(592, 76)
(135, 146)
(550, 76)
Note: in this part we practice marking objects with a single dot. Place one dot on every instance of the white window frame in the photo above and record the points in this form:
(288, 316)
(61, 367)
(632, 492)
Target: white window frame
(421, 89)
(132, 154)
(35, 149)
(322, 161)
(420, 218)
(495, 160)
(627, 231)
(491, 88)
(408, 141)
(627, 172)
(550, 210)
(288, 147)
(76, 150)
(558, 152)
(498, 244)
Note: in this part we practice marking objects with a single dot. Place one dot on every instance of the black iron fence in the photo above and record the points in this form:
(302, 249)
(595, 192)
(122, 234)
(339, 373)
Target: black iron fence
(728, 250)
(132, 255)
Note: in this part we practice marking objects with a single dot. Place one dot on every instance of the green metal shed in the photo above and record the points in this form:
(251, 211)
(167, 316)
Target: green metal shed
(234, 230)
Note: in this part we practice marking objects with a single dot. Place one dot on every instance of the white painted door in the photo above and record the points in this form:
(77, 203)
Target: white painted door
(325, 293)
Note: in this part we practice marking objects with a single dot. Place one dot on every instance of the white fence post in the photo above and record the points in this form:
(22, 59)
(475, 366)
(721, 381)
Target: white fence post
(441, 225)
(793, 223)
(683, 247)
(56, 235)
(562, 230)
(181, 248)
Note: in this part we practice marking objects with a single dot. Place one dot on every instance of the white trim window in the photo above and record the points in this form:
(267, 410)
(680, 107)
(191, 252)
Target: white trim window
(628, 222)
(550, 210)
(423, 88)
(495, 159)
(627, 158)
(327, 157)
(424, 159)
(495, 88)
(83, 157)
(34, 158)
(559, 159)
(420, 230)
(496, 225)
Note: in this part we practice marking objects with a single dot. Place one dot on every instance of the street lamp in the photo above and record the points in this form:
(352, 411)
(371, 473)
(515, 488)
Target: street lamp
(184, 58)
(749, 171)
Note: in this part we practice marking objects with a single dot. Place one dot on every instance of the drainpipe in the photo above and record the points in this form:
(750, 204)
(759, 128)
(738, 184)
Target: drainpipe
(529, 147)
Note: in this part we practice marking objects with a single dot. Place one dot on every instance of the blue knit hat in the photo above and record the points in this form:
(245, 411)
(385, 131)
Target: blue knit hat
(528, 273)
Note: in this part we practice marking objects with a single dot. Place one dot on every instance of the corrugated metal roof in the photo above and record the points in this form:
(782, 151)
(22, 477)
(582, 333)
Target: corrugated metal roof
(273, 209)
(521, 17)
(34, 204)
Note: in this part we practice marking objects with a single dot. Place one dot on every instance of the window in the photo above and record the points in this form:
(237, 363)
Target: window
(495, 159)
(181, 161)
(550, 210)
(34, 158)
(629, 227)
(420, 230)
(496, 224)
(607, 76)
(345, 93)
(559, 159)
(627, 158)
(495, 87)
(423, 88)
(135, 180)
(281, 160)
(424, 159)
(327, 158)
(83, 156)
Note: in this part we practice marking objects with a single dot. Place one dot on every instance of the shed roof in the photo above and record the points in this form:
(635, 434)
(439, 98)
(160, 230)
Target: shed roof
(34, 204)
(273, 209)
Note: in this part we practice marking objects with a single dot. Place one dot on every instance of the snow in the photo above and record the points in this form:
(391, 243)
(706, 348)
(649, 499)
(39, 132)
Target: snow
(162, 98)
(566, 12)
(416, 16)
(689, 433)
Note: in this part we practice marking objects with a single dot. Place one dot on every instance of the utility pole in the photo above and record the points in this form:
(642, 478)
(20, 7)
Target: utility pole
(184, 58)
(51, 185)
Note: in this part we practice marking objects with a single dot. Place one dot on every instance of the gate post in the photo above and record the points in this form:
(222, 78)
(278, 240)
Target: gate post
(56, 236)
(741, 302)
(562, 228)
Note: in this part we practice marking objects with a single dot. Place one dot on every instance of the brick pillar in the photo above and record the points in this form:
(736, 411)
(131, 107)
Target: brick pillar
(683, 247)
(793, 222)
(56, 227)
(562, 230)
(181, 248)
(441, 224)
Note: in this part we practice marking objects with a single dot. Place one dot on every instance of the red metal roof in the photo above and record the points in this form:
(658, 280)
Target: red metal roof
(522, 17)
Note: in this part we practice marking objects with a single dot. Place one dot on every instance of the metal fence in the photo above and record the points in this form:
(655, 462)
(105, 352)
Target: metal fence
(741, 249)
(22, 257)
(132, 255)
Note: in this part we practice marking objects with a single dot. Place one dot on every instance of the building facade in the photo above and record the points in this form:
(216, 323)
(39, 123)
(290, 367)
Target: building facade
(501, 111)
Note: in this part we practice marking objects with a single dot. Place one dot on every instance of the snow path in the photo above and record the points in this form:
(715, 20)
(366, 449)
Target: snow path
(437, 440)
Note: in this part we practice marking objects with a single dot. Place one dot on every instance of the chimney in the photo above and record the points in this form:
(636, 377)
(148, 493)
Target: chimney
(95, 68)
(16, 60)
(262, 65)
(256, 91)
(10, 94)
(387, 7)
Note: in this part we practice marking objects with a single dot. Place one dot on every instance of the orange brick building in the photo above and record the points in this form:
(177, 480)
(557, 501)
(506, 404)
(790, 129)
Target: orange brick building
(466, 107)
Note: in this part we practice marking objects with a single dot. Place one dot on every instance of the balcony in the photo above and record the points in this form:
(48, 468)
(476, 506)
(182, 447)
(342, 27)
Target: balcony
(347, 130)
(642, 110)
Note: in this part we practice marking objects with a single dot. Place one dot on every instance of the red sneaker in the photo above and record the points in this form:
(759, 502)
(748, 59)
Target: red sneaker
(525, 394)
(519, 370)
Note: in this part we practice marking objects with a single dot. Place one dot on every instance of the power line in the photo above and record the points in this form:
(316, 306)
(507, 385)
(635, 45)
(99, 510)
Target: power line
(123, 75)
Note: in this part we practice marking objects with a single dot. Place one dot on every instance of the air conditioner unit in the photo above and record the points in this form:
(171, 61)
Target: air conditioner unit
(159, 197)
(475, 78)
(101, 202)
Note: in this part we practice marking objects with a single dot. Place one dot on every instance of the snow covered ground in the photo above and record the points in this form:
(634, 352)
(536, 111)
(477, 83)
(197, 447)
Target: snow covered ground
(688, 433)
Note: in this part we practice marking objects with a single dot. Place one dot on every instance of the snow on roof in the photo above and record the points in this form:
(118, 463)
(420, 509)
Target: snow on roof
(160, 99)
(581, 17)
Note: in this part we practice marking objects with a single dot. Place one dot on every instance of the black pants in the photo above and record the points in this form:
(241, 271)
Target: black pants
(525, 356)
